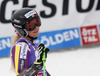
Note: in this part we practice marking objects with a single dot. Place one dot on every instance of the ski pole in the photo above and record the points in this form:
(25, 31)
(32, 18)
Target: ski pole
(43, 58)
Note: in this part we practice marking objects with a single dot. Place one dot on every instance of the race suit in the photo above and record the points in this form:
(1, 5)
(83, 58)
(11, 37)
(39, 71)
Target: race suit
(23, 55)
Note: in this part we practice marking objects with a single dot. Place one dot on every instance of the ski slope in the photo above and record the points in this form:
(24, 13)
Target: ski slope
(83, 61)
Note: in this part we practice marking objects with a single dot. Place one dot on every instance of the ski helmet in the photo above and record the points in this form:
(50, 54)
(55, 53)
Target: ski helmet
(25, 19)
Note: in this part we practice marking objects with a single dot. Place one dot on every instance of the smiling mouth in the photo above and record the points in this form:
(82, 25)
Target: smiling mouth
(35, 32)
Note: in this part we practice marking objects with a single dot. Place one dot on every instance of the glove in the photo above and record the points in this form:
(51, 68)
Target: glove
(32, 70)
(39, 52)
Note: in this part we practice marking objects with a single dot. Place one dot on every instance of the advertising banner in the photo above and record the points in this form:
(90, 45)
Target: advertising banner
(5, 46)
(65, 23)
(60, 39)
(89, 35)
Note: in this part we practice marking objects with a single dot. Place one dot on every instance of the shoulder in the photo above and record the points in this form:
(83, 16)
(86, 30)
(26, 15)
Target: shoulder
(22, 46)
(22, 42)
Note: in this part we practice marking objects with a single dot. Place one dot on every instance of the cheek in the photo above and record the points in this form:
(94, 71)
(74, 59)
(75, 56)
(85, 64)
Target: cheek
(33, 34)
(30, 33)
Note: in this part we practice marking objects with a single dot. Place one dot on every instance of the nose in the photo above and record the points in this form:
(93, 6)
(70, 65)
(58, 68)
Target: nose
(36, 27)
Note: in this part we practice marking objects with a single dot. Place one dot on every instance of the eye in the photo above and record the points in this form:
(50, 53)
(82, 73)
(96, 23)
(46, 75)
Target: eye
(30, 25)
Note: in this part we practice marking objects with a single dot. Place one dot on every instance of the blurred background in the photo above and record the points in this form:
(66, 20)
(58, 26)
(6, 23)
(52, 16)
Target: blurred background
(70, 28)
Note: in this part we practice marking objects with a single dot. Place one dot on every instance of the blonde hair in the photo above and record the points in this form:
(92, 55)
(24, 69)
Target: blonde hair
(13, 41)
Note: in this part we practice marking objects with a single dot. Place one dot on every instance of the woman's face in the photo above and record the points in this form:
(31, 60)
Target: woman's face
(34, 33)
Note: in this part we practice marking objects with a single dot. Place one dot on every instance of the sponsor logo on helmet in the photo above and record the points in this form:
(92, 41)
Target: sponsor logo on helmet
(31, 13)
(16, 21)
(17, 26)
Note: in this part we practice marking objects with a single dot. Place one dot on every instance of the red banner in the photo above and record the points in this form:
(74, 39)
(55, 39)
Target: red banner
(89, 35)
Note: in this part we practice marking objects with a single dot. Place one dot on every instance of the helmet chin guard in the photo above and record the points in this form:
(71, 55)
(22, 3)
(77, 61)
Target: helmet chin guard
(22, 32)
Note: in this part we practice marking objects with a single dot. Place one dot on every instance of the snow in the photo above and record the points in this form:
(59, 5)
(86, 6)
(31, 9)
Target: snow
(84, 61)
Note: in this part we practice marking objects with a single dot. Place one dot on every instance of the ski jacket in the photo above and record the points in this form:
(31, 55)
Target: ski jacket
(23, 55)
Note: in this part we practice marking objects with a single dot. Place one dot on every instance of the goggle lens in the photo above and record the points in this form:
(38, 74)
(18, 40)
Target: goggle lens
(32, 24)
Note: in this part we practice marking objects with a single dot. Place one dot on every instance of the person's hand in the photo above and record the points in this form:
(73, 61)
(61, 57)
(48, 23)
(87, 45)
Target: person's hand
(39, 52)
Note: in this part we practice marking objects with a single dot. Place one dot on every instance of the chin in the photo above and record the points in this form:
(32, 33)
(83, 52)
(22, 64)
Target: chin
(36, 35)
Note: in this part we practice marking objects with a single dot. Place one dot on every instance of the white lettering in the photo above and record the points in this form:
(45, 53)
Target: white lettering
(84, 32)
(74, 34)
(5, 43)
(51, 40)
(59, 38)
(94, 32)
(66, 36)
(85, 39)
(92, 39)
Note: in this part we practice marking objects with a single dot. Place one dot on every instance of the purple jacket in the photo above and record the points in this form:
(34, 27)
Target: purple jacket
(23, 55)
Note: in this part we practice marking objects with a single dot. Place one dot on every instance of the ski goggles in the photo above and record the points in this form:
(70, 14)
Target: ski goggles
(32, 24)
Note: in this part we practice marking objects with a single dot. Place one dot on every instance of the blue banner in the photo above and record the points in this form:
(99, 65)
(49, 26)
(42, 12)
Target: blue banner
(5, 45)
(60, 39)
(53, 40)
